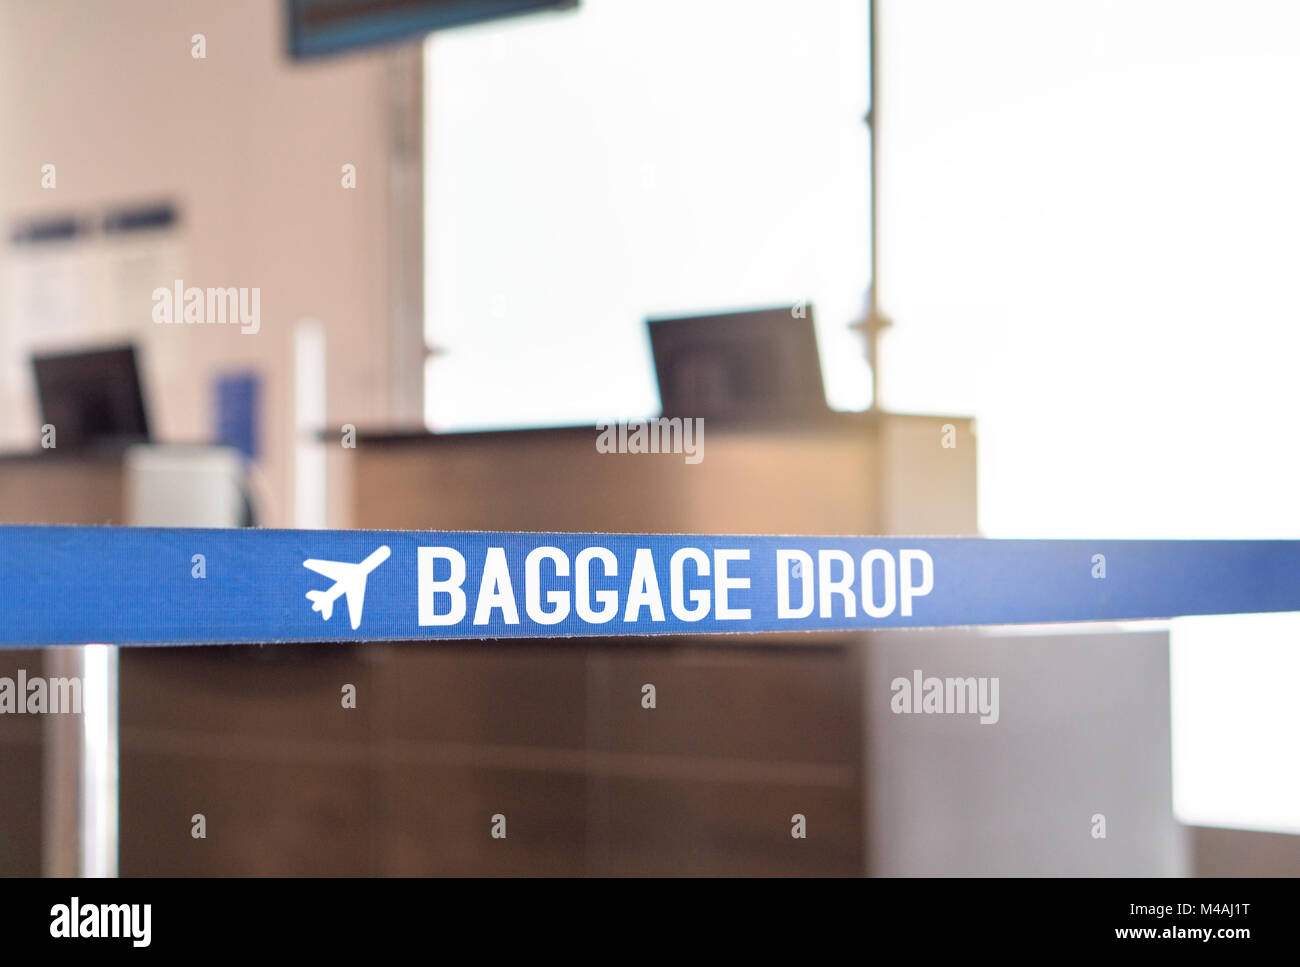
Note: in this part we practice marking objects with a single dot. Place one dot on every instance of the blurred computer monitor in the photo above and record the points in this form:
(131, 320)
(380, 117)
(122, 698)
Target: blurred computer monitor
(92, 397)
(334, 26)
(757, 365)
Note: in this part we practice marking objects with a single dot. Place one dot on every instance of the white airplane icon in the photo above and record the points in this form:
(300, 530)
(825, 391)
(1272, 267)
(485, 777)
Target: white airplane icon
(349, 579)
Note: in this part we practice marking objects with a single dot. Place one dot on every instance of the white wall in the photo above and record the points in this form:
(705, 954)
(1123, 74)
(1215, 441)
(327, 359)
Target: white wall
(249, 146)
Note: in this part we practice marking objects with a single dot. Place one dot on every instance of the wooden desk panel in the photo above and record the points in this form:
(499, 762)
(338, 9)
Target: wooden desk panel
(47, 487)
(855, 475)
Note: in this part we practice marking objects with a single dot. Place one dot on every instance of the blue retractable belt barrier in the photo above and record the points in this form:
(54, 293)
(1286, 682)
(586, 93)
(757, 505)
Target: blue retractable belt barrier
(122, 585)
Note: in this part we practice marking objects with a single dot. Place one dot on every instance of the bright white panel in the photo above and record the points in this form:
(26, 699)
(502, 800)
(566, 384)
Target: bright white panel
(1090, 243)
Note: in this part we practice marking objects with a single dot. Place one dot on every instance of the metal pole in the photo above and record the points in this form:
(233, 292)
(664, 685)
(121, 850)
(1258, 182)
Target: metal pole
(875, 320)
(99, 787)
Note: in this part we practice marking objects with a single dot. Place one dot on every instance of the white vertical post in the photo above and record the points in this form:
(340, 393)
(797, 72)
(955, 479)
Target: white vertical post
(310, 508)
(99, 786)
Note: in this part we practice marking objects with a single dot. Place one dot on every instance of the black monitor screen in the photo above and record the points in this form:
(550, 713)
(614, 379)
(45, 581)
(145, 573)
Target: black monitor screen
(756, 365)
(91, 397)
(329, 26)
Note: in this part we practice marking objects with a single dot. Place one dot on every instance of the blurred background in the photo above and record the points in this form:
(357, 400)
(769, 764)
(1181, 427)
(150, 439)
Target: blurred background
(1066, 230)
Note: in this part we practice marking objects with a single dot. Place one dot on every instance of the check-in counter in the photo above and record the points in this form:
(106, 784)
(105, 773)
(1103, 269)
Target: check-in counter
(747, 732)
(553, 736)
